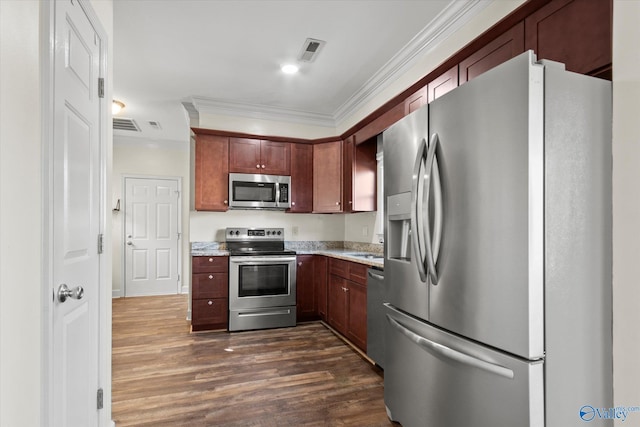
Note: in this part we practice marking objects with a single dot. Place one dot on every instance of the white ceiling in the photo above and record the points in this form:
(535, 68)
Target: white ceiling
(224, 56)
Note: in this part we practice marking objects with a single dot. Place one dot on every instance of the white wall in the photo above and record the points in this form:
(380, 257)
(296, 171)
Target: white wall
(20, 214)
(155, 159)
(626, 207)
(263, 127)
(209, 226)
(435, 56)
(23, 48)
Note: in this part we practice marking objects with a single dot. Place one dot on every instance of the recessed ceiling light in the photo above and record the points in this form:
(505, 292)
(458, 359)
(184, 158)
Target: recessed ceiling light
(289, 69)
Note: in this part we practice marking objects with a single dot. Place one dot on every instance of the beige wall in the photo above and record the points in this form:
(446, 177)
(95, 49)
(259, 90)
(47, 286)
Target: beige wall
(152, 159)
(626, 207)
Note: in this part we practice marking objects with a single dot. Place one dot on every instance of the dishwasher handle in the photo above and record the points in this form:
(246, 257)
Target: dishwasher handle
(375, 275)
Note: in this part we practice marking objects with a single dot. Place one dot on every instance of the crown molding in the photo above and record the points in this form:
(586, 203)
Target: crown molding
(452, 18)
(257, 111)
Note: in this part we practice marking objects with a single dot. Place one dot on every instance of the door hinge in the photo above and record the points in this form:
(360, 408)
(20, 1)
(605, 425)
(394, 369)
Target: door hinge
(100, 243)
(100, 87)
(100, 398)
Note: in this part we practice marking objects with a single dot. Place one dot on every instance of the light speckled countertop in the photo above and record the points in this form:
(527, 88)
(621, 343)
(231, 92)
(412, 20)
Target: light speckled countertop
(363, 253)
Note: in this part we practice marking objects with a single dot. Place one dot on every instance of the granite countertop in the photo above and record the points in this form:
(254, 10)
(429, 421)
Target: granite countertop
(363, 253)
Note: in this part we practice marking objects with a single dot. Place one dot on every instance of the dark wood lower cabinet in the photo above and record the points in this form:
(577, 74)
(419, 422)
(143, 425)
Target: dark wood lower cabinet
(337, 303)
(347, 300)
(306, 307)
(357, 314)
(320, 283)
(209, 293)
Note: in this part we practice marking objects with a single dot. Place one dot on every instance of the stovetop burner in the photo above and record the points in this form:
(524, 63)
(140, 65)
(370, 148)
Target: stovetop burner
(256, 241)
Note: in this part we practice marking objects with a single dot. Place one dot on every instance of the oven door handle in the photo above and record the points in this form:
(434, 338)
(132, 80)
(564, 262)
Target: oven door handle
(262, 259)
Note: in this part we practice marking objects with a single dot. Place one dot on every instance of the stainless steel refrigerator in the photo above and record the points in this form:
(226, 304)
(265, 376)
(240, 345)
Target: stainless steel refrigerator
(498, 253)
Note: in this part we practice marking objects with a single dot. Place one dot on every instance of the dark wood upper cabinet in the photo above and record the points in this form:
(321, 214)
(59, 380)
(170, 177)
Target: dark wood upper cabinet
(276, 158)
(381, 123)
(359, 175)
(442, 84)
(247, 155)
(506, 46)
(211, 173)
(574, 32)
(348, 170)
(365, 172)
(244, 155)
(417, 100)
(301, 178)
(327, 177)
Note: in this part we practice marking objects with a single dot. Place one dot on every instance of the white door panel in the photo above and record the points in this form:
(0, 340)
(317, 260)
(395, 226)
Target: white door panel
(151, 236)
(76, 217)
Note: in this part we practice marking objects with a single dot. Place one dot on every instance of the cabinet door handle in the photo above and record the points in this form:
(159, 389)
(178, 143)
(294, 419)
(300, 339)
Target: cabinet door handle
(293, 203)
(210, 276)
(226, 202)
(337, 203)
(262, 166)
(210, 259)
(210, 302)
(257, 166)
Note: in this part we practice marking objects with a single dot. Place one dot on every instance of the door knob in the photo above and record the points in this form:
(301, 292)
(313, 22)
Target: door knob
(129, 243)
(64, 292)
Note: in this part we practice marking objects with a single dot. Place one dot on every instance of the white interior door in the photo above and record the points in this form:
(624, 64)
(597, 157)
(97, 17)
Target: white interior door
(151, 237)
(76, 190)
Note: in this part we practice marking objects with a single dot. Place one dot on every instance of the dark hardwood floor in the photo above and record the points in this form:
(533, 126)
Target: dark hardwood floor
(163, 375)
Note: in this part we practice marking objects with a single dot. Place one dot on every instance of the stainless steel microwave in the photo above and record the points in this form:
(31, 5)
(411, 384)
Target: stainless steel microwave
(255, 191)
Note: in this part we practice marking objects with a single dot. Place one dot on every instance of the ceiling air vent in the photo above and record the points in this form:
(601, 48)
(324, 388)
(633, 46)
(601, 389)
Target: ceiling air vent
(155, 125)
(125, 124)
(310, 50)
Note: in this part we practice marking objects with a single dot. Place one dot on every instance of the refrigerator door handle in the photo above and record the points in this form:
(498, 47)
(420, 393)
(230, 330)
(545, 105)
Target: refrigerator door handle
(433, 242)
(442, 350)
(416, 212)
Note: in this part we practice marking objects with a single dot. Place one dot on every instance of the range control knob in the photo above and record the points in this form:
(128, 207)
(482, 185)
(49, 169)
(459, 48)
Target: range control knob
(268, 233)
(279, 233)
(237, 232)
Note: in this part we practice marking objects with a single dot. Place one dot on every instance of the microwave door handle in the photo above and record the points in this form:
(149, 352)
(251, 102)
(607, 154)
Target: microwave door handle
(277, 194)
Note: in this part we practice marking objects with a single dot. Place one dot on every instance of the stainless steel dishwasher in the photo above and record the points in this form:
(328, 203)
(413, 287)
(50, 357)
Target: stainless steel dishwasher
(375, 316)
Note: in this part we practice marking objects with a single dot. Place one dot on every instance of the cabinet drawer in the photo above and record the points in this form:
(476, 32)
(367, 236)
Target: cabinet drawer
(339, 267)
(210, 285)
(358, 273)
(209, 311)
(206, 264)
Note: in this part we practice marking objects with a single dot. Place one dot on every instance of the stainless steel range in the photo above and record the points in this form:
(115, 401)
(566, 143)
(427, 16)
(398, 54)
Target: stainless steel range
(262, 279)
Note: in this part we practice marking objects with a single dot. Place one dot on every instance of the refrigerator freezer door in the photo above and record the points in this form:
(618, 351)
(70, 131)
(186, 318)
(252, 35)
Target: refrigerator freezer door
(435, 378)
(489, 281)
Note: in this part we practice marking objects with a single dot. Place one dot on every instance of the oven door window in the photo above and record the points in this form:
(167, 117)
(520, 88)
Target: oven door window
(263, 279)
(244, 191)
